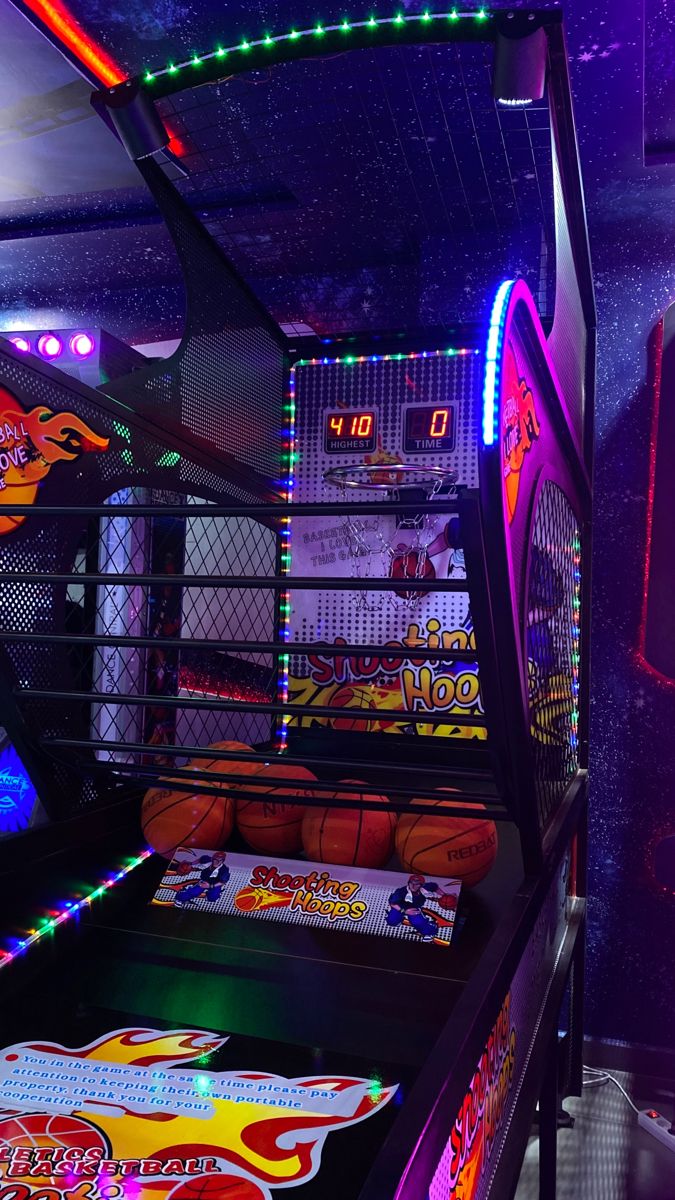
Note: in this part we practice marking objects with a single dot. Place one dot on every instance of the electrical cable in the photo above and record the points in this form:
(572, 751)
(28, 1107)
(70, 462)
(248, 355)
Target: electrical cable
(601, 1077)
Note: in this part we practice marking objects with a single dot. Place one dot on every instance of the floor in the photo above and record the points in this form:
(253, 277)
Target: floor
(607, 1156)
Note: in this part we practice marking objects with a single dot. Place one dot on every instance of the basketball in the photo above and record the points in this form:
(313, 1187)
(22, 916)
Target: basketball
(456, 847)
(352, 697)
(217, 1187)
(349, 836)
(265, 823)
(41, 1130)
(411, 564)
(173, 818)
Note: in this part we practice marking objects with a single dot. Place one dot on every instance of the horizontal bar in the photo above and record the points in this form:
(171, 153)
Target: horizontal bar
(466, 810)
(275, 648)
(217, 705)
(279, 583)
(266, 756)
(260, 789)
(198, 511)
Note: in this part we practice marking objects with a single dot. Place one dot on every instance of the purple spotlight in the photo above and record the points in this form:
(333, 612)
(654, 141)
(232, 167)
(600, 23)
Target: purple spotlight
(49, 345)
(21, 344)
(82, 344)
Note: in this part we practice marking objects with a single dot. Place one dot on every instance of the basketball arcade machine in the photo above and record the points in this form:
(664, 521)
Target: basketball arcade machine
(418, 569)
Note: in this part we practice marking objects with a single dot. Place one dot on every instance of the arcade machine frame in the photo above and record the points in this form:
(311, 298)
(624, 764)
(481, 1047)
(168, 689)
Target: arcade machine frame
(90, 786)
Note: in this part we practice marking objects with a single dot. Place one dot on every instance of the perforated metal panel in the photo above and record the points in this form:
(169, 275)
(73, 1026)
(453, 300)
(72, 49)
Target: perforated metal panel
(553, 646)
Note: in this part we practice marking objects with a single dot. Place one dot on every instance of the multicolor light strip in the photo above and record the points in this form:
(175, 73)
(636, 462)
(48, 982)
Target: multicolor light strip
(70, 909)
(351, 359)
(317, 32)
(289, 458)
(576, 639)
(492, 356)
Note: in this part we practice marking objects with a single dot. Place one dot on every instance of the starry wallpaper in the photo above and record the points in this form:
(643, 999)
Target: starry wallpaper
(78, 238)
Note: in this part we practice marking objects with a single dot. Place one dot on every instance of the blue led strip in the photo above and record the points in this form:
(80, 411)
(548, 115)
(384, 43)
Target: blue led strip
(492, 356)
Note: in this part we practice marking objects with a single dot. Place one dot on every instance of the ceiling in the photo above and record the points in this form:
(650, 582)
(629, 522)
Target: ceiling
(369, 190)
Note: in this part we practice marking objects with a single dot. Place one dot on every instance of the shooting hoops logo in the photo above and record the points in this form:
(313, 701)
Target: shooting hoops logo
(520, 427)
(30, 443)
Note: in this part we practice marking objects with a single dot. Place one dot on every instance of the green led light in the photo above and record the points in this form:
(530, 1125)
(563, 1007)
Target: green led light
(196, 60)
(372, 23)
(122, 430)
(454, 15)
(173, 69)
(127, 457)
(148, 77)
(349, 359)
(450, 351)
(481, 15)
(293, 35)
(345, 27)
(168, 459)
(319, 31)
(399, 19)
(268, 40)
(245, 46)
(426, 16)
(220, 53)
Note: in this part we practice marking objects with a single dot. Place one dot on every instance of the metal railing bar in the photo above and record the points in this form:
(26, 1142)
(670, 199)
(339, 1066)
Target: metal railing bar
(216, 704)
(283, 508)
(275, 648)
(280, 583)
(271, 755)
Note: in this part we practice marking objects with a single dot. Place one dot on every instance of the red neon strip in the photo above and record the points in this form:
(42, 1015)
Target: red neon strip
(642, 633)
(62, 23)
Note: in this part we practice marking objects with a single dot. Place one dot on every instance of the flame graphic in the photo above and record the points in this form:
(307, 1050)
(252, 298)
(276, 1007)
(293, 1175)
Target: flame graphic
(252, 899)
(263, 1144)
(49, 437)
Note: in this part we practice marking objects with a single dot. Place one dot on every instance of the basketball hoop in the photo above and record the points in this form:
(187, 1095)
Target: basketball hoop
(366, 539)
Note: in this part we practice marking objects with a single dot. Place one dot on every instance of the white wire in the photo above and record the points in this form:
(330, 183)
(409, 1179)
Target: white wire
(605, 1077)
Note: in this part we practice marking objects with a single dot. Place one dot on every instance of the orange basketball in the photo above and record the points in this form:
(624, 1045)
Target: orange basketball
(267, 824)
(171, 818)
(352, 697)
(457, 847)
(353, 837)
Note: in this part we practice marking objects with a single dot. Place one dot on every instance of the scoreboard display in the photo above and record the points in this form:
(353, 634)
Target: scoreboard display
(350, 431)
(428, 429)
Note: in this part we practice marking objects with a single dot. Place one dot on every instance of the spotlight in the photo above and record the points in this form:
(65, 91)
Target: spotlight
(82, 345)
(21, 343)
(49, 345)
(520, 63)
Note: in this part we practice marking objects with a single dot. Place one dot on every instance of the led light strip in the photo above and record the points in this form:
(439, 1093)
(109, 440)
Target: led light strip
(317, 31)
(71, 909)
(576, 637)
(492, 354)
(285, 558)
(351, 359)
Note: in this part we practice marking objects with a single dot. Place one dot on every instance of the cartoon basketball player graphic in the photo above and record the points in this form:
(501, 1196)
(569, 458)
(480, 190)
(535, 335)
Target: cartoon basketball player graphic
(214, 875)
(407, 903)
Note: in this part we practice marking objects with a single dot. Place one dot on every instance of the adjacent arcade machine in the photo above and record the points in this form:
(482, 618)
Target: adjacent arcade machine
(294, 656)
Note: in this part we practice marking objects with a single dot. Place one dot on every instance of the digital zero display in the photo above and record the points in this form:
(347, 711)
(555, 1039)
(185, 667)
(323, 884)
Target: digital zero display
(429, 429)
(349, 431)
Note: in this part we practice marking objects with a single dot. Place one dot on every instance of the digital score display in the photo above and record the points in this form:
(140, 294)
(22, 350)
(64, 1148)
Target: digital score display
(428, 429)
(349, 431)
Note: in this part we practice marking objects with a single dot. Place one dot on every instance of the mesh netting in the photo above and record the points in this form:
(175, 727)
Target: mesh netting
(553, 646)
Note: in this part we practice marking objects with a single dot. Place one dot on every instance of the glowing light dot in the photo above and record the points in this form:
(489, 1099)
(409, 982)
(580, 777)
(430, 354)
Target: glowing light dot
(220, 52)
(245, 46)
(196, 61)
(454, 15)
(426, 16)
(372, 23)
(399, 19)
(173, 69)
(49, 345)
(268, 40)
(319, 31)
(293, 35)
(81, 344)
(21, 343)
(148, 77)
